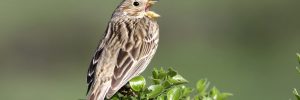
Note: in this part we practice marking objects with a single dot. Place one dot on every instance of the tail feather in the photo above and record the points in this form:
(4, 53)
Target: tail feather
(98, 92)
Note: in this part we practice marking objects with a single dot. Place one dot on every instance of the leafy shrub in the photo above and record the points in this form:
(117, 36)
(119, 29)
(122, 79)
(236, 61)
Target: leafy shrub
(168, 85)
(295, 90)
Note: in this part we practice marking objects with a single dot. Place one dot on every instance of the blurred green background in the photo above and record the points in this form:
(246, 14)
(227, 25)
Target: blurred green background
(246, 47)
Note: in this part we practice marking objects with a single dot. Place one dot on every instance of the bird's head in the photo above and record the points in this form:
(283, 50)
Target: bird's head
(137, 8)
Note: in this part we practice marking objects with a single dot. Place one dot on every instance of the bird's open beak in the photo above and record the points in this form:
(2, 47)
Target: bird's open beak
(151, 2)
(149, 13)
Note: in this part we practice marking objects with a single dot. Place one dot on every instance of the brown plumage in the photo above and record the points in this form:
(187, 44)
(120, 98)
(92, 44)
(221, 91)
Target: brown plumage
(130, 41)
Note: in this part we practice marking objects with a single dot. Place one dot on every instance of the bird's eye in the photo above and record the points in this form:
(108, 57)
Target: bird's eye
(136, 3)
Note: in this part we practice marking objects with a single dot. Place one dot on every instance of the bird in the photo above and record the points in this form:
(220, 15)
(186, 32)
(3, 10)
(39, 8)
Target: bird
(126, 49)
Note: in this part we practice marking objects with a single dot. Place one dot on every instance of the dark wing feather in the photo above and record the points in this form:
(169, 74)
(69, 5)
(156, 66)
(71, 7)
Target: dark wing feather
(91, 70)
(95, 61)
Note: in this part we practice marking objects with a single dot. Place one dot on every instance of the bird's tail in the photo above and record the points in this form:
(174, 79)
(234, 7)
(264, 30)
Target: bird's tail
(98, 91)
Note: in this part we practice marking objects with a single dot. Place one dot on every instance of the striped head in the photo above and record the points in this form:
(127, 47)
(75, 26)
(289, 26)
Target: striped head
(136, 8)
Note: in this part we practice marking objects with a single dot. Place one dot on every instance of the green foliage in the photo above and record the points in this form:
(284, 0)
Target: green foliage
(137, 83)
(168, 85)
(298, 57)
(295, 90)
(296, 94)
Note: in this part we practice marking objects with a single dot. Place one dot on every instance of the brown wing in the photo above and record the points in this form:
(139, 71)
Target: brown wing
(102, 66)
(129, 46)
(96, 62)
(136, 53)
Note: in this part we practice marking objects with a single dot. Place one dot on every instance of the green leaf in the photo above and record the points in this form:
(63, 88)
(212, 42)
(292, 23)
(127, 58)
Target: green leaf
(132, 98)
(296, 94)
(166, 84)
(207, 98)
(114, 98)
(224, 96)
(214, 93)
(298, 69)
(155, 90)
(186, 91)
(202, 86)
(155, 73)
(174, 93)
(171, 72)
(137, 83)
(161, 97)
(157, 81)
(162, 73)
(196, 97)
(298, 56)
(177, 79)
(188, 98)
(217, 95)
